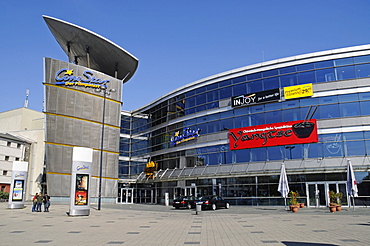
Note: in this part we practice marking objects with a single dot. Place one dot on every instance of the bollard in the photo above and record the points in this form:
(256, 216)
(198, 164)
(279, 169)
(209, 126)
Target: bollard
(198, 208)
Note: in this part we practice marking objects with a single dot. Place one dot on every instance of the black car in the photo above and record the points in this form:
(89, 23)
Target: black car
(184, 202)
(213, 202)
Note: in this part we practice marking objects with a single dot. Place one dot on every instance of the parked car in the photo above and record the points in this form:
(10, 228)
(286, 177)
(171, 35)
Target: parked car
(184, 202)
(213, 202)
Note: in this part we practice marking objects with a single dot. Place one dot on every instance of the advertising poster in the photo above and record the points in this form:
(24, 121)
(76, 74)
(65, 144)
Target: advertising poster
(81, 194)
(284, 133)
(256, 98)
(18, 190)
(298, 91)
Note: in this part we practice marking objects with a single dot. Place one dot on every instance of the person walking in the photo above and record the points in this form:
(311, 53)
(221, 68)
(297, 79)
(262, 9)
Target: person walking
(46, 200)
(34, 202)
(39, 202)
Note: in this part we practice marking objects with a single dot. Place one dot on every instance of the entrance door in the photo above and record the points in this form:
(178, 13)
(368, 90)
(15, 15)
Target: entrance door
(318, 193)
(185, 191)
(126, 195)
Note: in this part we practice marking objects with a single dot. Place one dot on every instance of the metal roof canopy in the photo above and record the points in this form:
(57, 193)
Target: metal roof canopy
(91, 50)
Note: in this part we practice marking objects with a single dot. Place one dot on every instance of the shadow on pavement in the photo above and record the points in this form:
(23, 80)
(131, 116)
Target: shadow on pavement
(307, 244)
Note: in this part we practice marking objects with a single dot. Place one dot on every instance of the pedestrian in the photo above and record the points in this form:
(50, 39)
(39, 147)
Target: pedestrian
(46, 200)
(34, 202)
(39, 202)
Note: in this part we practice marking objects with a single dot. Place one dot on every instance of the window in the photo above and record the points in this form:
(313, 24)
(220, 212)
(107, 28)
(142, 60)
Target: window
(343, 61)
(18, 146)
(329, 111)
(239, 89)
(270, 73)
(285, 70)
(225, 83)
(288, 80)
(306, 77)
(271, 83)
(273, 116)
(275, 153)
(349, 109)
(225, 92)
(363, 71)
(5, 172)
(254, 76)
(305, 67)
(344, 73)
(212, 96)
(17, 158)
(254, 86)
(7, 158)
(291, 114)
(240, 79)
(324, 64)
(8, 144)
(201, 99)
(354, 148)
(325, 75)
(365, 108)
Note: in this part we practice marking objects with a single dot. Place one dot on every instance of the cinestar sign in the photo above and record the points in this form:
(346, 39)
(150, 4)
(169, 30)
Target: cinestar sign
(254, 98)
(284, 133)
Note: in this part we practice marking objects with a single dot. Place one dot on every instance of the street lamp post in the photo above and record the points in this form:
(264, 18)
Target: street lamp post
(101, 150)
(290, 150)
(102, 145)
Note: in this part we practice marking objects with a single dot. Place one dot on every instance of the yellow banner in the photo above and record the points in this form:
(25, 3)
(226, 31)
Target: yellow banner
(298, 91)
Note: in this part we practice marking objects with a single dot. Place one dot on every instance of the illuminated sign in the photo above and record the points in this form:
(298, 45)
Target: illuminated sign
(150, 168)
(298, 91)
(18, 190)
(82, 189)
(254, 98)
(186, 135)
(284, 133)
(65, 77)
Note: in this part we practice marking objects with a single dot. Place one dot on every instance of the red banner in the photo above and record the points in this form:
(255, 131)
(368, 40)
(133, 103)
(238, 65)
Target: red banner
(284, 133)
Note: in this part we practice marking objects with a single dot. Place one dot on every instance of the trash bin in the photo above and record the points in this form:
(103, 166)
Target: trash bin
(198, 208)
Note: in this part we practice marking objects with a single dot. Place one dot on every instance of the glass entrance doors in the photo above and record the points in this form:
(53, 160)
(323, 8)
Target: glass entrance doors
(318, 193)
(185, 191)
(125, 195)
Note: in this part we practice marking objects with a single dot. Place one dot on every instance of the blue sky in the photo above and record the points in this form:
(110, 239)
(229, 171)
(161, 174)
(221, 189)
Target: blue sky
(176, 42)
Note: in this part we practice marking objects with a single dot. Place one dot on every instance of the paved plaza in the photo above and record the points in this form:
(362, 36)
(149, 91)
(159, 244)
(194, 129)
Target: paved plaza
(139, 224)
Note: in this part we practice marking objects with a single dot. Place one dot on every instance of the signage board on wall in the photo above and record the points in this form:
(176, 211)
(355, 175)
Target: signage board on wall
(283, 133)
(66, 77)
(255, 98)
(298, 91)
(186, 135)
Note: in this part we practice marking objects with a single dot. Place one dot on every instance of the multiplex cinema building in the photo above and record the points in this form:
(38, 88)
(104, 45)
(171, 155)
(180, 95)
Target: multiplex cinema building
(226, 134)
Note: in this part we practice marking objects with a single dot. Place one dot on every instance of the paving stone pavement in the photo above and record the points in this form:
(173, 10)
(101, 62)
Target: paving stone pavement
(139, 224)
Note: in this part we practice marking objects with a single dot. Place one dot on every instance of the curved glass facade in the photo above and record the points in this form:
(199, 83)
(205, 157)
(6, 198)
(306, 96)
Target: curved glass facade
(341, 97)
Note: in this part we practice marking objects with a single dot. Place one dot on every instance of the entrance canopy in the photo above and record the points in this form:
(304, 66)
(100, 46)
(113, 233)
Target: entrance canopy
(91, 50)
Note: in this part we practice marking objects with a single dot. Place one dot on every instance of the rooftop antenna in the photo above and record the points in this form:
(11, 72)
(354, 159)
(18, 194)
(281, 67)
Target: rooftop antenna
(26, 101)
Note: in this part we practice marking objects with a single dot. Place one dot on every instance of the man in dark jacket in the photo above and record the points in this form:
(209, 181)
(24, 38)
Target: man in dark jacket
(46, 200)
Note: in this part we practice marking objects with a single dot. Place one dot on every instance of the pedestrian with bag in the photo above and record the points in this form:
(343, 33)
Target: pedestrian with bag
(34, 202)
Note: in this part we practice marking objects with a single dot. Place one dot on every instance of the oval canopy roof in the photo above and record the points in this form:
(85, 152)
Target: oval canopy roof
(82, 45)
